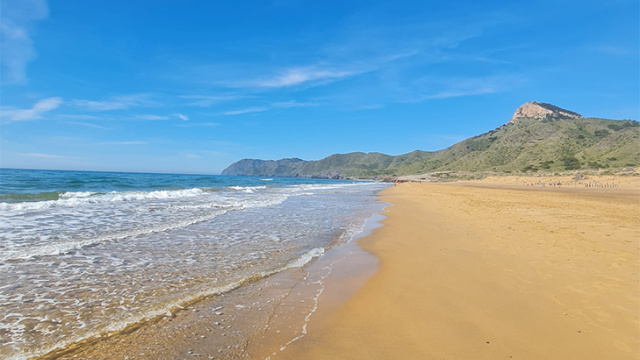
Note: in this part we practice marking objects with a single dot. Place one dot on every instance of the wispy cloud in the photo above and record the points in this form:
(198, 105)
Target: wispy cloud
(86, 124)
(195, 124)
(208, 101)
(292, 104)
(200, 154)
(458, 91)
(300, 75)
(151, 117)
(77, 116)
(311, 75)
(36, 111)
(116, 103)
(45, 156)
(135, 142)
(444, 88)
(182, 117)
(275, 105)
(245, 111)
(614, 50)
(17, 18)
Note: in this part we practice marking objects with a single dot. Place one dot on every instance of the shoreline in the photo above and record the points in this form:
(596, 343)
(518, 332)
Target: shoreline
(256, 320)
(388, 299)
(488, 270)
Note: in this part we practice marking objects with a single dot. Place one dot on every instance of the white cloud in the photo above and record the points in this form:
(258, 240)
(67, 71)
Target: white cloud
(116, 103)
(292, 104)
(457, 92)
(81, 123)
(200, 154)
(17, 18)
(246, 111)
(208, 101)
(44, 156)
(300, 75)
(456, 87)
(135, 142)
(276, 105)
(293, 76)
(77, 116)
(194, 124)
(182, 117)
(36, 112)
(152, 117)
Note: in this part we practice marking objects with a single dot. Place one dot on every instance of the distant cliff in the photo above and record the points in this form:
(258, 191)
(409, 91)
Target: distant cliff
(337, 166)
(539, 137)
(254, 167)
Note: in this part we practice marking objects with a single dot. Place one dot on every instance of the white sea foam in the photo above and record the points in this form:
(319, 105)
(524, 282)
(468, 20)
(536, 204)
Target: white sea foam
(334, 186)
(305, 258)
(79, 194)
(156, 250)
(61, 228)
(248, 189)
(75, 199)
(166, 309)
(29, 251)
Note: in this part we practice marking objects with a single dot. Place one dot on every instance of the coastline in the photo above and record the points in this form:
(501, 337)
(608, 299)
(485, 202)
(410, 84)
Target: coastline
(488, 270)
(257, 320)
(476, 269)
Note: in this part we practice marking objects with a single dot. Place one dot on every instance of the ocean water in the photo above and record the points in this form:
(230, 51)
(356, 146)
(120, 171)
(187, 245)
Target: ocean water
(85, 254)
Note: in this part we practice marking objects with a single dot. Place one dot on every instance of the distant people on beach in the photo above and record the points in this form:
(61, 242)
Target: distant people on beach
(575, 184)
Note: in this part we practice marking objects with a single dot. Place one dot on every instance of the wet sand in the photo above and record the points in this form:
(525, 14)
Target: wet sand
(493, 270)
(255, 321)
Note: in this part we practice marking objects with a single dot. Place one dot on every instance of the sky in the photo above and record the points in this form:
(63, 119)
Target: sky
(193, 86)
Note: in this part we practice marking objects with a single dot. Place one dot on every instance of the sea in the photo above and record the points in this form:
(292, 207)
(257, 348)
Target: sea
(87, 254)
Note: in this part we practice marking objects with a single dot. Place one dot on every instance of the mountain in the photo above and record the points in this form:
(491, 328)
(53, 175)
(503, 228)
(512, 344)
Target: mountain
(539, 136)
(336, 166)
(254, 167)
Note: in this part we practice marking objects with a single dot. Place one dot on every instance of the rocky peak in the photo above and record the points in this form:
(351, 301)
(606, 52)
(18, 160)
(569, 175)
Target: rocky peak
(537, 110)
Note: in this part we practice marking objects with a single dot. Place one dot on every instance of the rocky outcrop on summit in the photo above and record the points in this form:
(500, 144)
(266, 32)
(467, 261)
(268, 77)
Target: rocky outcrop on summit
(537, 110)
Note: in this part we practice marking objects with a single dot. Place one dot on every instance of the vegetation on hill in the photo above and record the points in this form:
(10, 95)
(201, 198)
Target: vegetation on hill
(525, 145)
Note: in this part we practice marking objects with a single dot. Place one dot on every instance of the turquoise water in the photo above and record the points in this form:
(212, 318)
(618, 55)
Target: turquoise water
(89, 253)
(41, 185)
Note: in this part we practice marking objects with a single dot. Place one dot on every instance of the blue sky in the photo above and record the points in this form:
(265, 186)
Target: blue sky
(192, 86)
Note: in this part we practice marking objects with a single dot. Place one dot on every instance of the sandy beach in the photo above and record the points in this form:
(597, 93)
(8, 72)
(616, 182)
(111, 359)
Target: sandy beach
(494, 270)
(489, 269)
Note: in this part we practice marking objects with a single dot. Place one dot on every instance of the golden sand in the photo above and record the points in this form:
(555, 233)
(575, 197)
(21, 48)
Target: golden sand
(477, 271)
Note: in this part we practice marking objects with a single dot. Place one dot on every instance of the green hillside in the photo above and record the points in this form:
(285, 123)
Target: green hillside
(551, 143)
(532, 144)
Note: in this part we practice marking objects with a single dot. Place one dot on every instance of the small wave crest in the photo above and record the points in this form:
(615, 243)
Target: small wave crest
(29, 251)
(72, 199)
(305, 258)
(76, 195)
(247, 189)
(190, 214)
